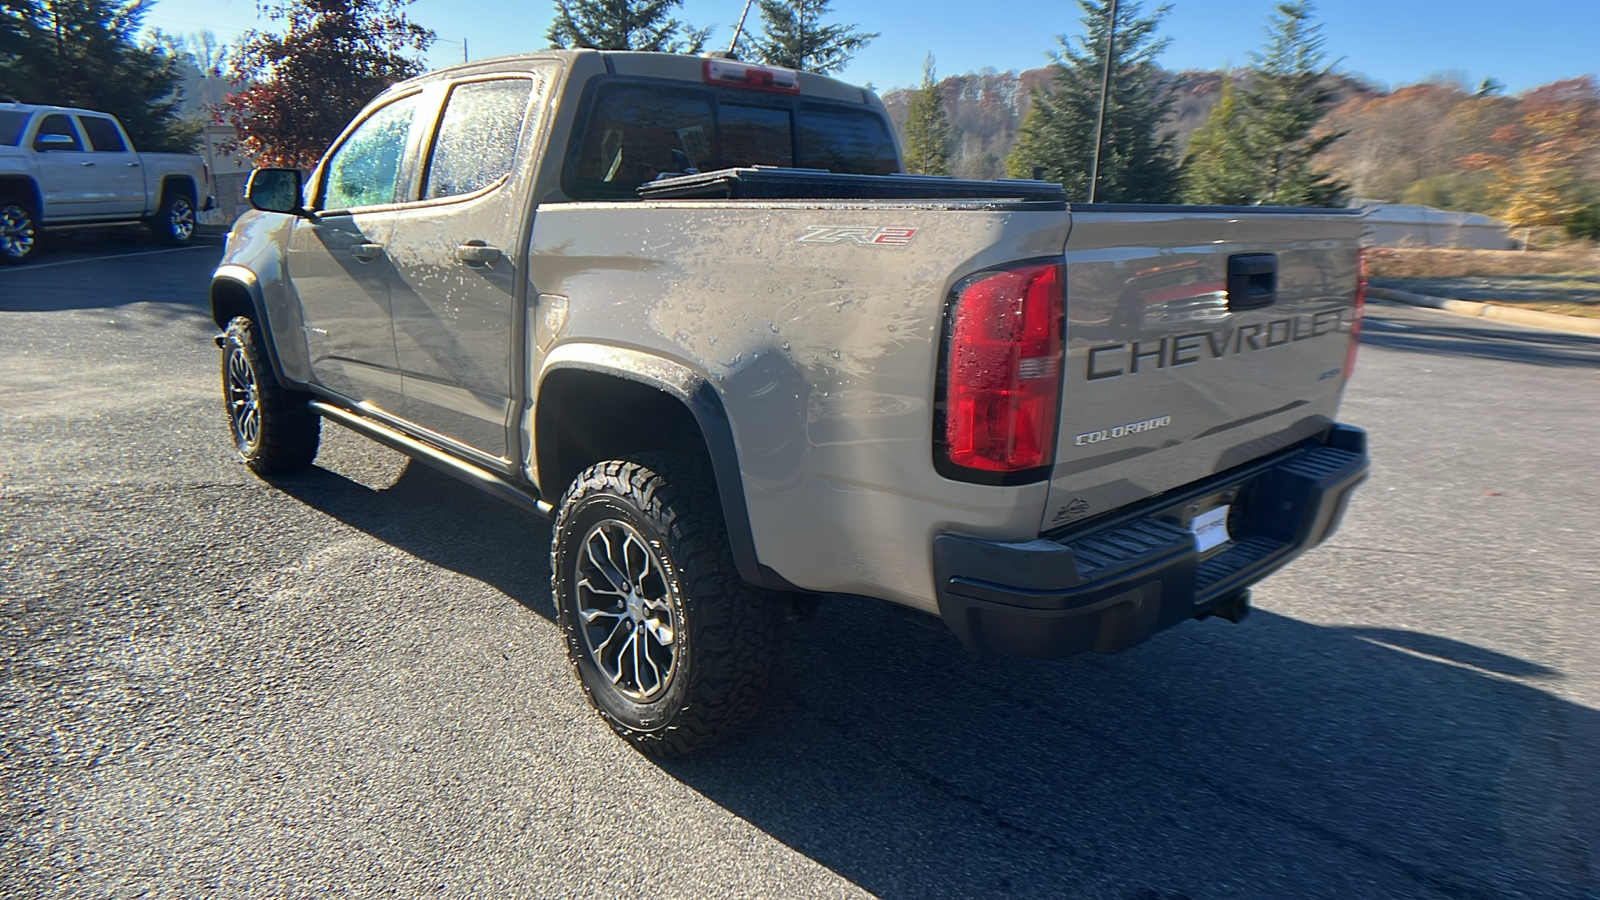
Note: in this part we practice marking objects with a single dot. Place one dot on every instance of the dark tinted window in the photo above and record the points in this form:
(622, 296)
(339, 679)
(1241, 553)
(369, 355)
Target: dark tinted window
(56, 123)
(11, 124)
(477, 142)
(103, 136)
(755, 135)
(853, 141)
(633, 130)
(630, 137)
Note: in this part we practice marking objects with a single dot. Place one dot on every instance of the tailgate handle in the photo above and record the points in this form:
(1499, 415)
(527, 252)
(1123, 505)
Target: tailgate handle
(1252, 281)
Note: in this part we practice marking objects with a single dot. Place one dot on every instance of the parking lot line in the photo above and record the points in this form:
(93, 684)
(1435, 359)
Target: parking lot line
(90, 259)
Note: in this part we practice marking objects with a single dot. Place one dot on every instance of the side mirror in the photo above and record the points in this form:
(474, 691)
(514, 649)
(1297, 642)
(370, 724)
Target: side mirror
(54, 142)
(276, 190)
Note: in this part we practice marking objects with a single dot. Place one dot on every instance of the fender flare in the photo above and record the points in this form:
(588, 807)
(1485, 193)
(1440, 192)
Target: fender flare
(247, 281)
(696, 393)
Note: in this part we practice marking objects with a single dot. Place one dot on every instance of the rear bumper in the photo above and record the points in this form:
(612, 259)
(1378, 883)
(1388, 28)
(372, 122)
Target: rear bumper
(1123, 580)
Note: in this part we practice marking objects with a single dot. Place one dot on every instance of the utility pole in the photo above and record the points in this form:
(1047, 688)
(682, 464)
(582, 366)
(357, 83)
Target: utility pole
(1105, 90)
(464, 50)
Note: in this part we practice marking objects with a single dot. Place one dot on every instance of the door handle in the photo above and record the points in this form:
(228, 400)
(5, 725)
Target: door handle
(86, 164)
(133, 165)
(367, 252)
(477, 253)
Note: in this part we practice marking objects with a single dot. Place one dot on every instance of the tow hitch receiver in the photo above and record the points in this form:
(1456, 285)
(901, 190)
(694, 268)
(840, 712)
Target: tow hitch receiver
(1234, 608)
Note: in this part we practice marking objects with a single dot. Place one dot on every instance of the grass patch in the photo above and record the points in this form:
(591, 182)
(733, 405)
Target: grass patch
(1587, 311)
(1388, 262)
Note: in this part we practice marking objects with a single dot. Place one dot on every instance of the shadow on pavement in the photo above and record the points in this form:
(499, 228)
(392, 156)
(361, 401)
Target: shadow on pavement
(107, 269)
(444, 521)
(1273, 759)
(1540, 348)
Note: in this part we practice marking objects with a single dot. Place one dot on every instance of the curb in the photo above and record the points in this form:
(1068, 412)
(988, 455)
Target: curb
(1530, 317)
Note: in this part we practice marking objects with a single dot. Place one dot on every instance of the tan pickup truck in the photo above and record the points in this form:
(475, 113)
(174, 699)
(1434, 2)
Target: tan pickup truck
(687, 308)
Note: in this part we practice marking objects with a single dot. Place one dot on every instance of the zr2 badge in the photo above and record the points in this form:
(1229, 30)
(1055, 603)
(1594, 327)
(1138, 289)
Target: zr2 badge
(857, 234)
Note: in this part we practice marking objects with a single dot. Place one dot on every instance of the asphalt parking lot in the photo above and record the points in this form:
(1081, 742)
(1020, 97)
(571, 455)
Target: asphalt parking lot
(348, 681)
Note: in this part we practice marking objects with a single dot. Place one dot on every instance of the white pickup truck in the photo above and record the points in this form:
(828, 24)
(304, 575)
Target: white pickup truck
(64, 167)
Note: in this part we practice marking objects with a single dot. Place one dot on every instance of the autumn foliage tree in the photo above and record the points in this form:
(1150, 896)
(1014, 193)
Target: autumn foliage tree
(300, 88)
(1537, 163)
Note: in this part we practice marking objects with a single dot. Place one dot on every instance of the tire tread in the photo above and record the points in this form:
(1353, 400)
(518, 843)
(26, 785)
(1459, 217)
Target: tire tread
(290, 431)
(734, 626)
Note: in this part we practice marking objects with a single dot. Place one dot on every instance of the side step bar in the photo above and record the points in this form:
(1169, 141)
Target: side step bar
(432, 456)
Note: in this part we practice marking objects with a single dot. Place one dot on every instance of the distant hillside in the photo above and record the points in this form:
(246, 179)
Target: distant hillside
(986, 109)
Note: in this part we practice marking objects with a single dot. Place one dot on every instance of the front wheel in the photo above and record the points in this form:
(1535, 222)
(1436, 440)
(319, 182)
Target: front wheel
(19, 232)
(273, 429)
(174, 221)
(670, 645)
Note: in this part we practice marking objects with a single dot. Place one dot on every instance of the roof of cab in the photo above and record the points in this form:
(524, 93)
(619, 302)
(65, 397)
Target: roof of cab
(639, 64)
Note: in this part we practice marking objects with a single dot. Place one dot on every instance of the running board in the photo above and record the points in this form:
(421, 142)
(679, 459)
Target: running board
(424, 453)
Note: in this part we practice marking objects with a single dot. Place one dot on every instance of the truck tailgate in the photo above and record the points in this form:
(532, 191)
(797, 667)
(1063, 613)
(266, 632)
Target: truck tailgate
(1197, 341)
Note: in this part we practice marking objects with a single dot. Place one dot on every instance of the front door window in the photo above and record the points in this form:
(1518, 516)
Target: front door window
(365, 170)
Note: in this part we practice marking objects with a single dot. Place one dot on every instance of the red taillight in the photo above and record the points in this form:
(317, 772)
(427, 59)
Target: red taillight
(1004, 369)
(1360, 310)
(757, 78)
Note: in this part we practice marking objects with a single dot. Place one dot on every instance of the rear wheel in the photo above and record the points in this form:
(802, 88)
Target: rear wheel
(19, 231)
(273, 428)
(174, 221)
(670, 645)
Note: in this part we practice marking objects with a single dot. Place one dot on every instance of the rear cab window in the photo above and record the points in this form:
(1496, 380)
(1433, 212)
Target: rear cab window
(637, 130)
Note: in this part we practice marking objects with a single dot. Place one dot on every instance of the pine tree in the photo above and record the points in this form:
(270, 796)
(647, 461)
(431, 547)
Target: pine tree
(1287, 96)
(307, 84)
(1137, 164)
(624, 25)
(85, 53)
(927, 130)
(1218, 168)
(794, 37)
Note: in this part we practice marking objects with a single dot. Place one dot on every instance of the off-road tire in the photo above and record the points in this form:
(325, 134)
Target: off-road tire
(273, 429)
(174, 222)
(726, 630)
(19, 231)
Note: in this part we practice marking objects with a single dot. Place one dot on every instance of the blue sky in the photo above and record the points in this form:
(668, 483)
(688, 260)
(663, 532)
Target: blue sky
(1393, 42)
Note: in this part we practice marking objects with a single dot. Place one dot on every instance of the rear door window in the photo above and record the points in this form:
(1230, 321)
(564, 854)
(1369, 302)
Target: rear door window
(103, 135)
(632, 133)
(477, 139)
